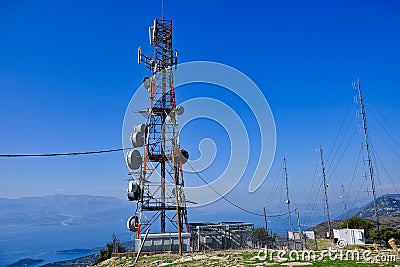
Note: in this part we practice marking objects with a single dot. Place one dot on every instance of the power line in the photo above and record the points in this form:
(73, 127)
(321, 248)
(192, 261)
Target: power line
(317, 189)
(122, 149)
(280, 215)
(222, 196)
(385, 129)
(381, 136)
(341, 156)
(231, 202)
(355, 170)
(384, 168)
(275, 184)
(329, 160)
(61, 154)
(383, 116)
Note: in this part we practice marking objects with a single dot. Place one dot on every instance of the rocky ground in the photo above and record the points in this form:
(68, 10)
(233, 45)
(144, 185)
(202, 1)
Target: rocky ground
(248, 257)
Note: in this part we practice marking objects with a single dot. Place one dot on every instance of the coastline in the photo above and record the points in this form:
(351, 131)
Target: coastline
(55, 243)
(86, 260)
(78, 262)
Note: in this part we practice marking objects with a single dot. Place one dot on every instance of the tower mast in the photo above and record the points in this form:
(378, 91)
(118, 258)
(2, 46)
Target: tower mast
(287, 194)
(343, 196)
(161, 181)
(299, 225)
(326, 194)
(357, 86)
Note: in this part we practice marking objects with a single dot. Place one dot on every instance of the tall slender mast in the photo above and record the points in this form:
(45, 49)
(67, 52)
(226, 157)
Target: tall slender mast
(326, 195)
(357, 86)
(298, 224)
(265, 221)
(343, 196)
(287, 194)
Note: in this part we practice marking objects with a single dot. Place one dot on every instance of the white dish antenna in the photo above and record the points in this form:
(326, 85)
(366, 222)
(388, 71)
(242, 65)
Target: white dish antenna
(137, 139)
(133, 159)
(133, 187)
(184, 156)
(147, 83)
(180, 110)
(140, 128)
(132, 223)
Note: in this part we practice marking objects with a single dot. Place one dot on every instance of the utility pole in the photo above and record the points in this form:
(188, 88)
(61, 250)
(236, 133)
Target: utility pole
(298, 225)
(266, 227)
(265, 221)
(326, 195)
(357, 86)
(343, 196)
(287, 195)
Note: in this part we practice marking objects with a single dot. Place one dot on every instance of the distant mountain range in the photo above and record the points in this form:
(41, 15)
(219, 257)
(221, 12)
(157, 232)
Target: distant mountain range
(388, 207)
(63, 209)
(86, 209)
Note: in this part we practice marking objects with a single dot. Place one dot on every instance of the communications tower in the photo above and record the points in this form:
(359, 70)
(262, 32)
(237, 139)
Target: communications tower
(157, 183)
(287, 195)
(357, 86)
(329, 233)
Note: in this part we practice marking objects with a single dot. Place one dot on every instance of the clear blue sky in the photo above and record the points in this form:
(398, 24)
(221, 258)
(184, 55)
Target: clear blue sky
(68, 70)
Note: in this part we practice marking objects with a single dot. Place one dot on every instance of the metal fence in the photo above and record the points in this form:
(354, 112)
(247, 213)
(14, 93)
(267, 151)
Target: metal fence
(224, 235)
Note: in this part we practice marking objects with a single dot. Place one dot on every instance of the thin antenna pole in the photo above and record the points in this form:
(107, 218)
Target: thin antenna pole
(178, 213)
(287, 194)
(162, 9)
(298, 225)
(326, 195)
(345, 206)
(371, 169)
(265, 220)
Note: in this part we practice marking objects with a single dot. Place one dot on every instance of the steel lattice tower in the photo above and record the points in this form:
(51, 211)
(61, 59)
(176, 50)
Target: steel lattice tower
(357, 86)
(162, 156)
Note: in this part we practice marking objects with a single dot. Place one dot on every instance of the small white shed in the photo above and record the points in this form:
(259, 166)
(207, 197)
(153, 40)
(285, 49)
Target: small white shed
(309, 235)
(351, 236)
(292, 235)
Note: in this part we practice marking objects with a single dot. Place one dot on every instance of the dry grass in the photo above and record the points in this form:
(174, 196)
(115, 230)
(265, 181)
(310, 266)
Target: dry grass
(230, 258)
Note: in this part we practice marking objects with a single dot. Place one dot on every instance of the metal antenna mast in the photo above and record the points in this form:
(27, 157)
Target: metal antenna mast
(326, 195)
(265, 221)
(287, 194)
(160, 179)
(162, 9)
(343, 196)
(299, 225)
(357, 86)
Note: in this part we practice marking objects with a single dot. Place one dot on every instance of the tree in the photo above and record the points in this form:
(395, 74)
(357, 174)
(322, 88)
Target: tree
(357, 223)
(259, 236)
(114, 245)
(385, 233)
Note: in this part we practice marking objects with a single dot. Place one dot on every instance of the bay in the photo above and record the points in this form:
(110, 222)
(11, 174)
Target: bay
(45, 242)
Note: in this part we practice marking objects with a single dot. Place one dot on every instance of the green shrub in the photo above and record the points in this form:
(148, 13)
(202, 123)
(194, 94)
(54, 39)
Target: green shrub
(106, 254)
(385, 233)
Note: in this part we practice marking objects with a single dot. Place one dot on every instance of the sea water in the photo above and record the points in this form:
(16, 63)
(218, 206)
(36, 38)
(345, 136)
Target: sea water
(45, 242)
